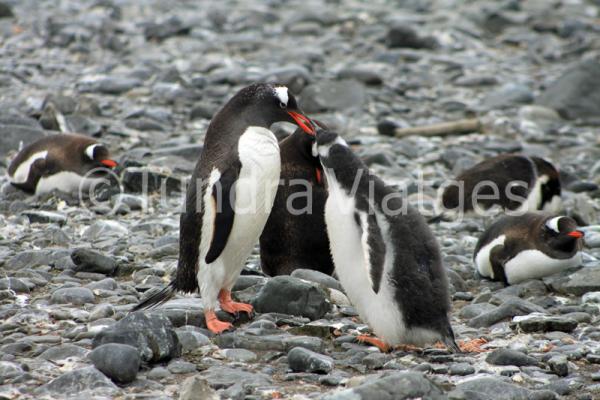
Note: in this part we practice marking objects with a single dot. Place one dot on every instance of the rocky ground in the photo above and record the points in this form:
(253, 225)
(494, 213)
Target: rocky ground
(146, 76)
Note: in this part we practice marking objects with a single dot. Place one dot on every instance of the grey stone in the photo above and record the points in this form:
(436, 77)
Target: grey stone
(583, 281)
(6, 11)
(546, 324)
(191, 340)
(461, 369)
(107, 84)
(473, 310)
(332, 96)
(407, 37)
(303, 360)
(181, 367)
(169, 27)
(287, 295)
(44, 217)
(295, 77)
(14, 135)
(559, 364)
(88, 260)
(73, 295)
(510, 357)
(488, 388)
(120, 362)
(223, 377)
(77, 381)
(143, 180)
(63, 352)
(397, 386)
(241, 355)
(510, 308)
(576, 94)
(509, 95)
(15, 284)
(317, 277)
(197, 388)
(153, 335)
(268, 342)
(9, 370)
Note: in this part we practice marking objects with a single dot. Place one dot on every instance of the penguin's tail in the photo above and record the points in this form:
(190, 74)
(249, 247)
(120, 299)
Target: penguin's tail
(449, 340)
(157, 298)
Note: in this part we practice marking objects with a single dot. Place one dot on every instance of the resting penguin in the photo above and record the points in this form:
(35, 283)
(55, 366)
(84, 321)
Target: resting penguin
(64, 162)
(509, 181)
(530, 246)
(295, 235)
(385, 255)
(230, 197)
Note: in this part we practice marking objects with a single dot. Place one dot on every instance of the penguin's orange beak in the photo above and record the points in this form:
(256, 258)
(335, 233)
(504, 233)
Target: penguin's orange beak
(109, 163)
(303, 122)
(576, 234)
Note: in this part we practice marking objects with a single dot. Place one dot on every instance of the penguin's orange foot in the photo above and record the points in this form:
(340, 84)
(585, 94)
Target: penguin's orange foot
(472, 346)
(215, 325)
(232, 307)
(380, 344)
(408, 348)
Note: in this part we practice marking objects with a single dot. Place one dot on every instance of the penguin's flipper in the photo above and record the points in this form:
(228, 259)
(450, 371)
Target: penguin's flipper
(373, 246)
(497, 260)
(223, 197)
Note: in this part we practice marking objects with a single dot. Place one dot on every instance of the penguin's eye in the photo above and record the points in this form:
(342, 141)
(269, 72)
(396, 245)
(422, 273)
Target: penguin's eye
(282, 104)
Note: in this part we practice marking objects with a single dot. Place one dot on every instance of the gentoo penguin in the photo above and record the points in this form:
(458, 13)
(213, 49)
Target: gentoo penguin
(509, 181)
(230, 197)
(295, 235)
(65, 162)
(530, 246)
(385, 255)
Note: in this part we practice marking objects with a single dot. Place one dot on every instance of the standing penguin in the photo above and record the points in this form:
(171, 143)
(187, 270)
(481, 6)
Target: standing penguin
(230, 197)
(529, 246)
(509, 181)
(295, 235)
(65, 162)
(385, 255)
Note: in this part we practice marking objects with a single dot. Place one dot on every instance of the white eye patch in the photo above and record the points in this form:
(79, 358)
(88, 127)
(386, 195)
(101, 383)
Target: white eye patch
(89, 151)
(282, 94)
(553, 224)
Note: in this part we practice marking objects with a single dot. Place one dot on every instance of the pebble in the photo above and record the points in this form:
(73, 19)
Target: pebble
(78, 382)
(73, 295)
(510, 357)
(195, 388)
(303, 360)
(120, 362)
(88, 260)
(545, 324)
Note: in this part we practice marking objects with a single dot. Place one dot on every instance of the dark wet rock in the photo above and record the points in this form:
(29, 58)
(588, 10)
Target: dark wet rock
(317, 277)
(267, 342)
(6, 11)
(63, 352)
(365, 74)
(88, 260)
(153, 335)
(407, 37)
(196, 388)
(332, 96)
(405, 385)
(142, 180)
(78, 381)
(510, 357)
(510, 308)
(509, 95)
(73, 295)
(461, 369)
(546, 324)
(559, 364)
(486, 388)
(576, 94)
(303, 360)
(44, 217)
(287, 295)
(171, 26)
(120, 362)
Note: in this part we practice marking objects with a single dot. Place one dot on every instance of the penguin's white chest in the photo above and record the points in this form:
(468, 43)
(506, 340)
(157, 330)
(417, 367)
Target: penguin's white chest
(380, 309)
(534, 264)
(255, 191)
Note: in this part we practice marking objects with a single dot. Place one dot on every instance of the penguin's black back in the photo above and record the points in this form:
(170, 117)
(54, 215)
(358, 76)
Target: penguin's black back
(290, 241)
(502, 170)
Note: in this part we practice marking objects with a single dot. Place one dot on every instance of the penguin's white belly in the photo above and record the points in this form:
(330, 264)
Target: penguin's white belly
(379, 310)
(482, 259)
(533, 264)
(255, 192)
(65, 181)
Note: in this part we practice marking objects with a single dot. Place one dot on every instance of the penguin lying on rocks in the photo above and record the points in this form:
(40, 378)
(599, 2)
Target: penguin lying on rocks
(529, 246)
(63, 162)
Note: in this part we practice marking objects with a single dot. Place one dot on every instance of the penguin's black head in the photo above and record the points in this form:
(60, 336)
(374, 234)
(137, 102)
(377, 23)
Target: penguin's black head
(561, 233)
(98, 155)
(265, 104)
